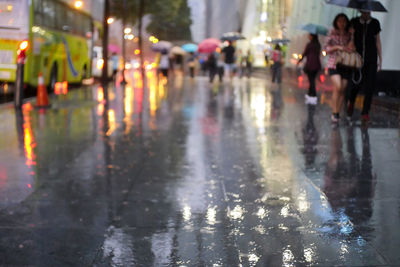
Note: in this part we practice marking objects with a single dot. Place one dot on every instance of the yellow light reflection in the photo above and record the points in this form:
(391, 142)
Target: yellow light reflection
(128, 101)
(111, 122)
(128, 107)
(29, 140)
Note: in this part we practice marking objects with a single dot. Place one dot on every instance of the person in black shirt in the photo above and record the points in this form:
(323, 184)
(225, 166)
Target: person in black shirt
(368, 44)
(229, 59)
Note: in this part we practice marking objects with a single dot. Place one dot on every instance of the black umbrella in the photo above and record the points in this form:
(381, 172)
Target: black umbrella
(232, 36)
(368, 5)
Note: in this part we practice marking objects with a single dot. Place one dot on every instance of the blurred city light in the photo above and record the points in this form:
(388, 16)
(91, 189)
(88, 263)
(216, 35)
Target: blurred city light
(78, 4)
(127, 30)
(110, 20)
(137, 51)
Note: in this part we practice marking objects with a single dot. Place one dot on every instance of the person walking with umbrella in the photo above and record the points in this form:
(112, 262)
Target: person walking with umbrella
(276, 68)
(339, 39)
(368, 44)
(229, 59)
(312, 66)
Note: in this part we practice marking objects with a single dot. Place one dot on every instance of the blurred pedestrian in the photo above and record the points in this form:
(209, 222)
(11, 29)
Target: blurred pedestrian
(115, 64)
(249, 63)
(266, 55)
(192, 64)
(229, 59)
(164, 64)
(339, 39)
(368, 44)
(220, 64)
(312, 66)
(212, 66)
(277, 58)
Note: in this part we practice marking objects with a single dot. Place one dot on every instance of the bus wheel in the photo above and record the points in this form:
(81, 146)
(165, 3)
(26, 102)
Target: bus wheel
(53, 78)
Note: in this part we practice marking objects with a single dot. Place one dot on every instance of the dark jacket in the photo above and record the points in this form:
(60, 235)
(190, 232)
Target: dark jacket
(312, 53)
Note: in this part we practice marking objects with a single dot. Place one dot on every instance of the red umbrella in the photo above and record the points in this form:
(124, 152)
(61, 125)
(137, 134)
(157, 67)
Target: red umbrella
(208, 45)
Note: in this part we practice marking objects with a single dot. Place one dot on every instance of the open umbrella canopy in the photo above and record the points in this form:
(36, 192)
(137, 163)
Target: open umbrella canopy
(367, 5)
(208, 45)
(279, 41)
(232, 36)
(191, 48)
(113, 48)
(176, 50)
(315, 29)
(162, 45)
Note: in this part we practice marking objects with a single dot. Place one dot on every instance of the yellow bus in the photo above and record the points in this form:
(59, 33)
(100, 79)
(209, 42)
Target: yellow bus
(59, 42)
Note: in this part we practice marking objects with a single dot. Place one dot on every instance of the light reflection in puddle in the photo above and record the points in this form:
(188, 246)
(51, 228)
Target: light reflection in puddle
(309, 254)
(285, 211)
(186, 213)
(260, 229)
(253, 259)
(211, 215)
(236, 213)
(287, 258)
(262, 213)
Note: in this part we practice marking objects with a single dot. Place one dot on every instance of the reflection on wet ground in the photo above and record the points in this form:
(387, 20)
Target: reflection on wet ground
(187, 173)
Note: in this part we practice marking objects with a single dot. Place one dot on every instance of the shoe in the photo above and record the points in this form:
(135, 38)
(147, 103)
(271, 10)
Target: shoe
(306, 99)
(313, 100)
(335, 117)
(365, 118)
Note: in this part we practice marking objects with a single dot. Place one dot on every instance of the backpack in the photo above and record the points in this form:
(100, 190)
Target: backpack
(276, 56)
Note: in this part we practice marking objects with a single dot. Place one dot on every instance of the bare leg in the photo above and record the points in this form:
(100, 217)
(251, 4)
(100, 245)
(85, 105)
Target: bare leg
(336, 80)
(341, 95)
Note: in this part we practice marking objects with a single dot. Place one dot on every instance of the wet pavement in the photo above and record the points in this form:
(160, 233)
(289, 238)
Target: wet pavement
(193, 174)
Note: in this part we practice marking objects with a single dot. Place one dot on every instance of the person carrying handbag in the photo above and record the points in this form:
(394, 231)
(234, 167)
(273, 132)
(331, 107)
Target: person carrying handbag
(368, 44)
(339, 39)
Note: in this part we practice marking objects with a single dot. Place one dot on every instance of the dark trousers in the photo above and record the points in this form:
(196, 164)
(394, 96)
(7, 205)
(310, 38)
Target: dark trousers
(277, 72)
(212, 73)
(191, 70)
(311, 79)
(221, 71)
(367, 84)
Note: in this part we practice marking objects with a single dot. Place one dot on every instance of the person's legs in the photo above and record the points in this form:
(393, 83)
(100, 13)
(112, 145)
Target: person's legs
(191, 69)
(336, 81)
(220, 73)
(279, 73)
(212, 74)
(311, 78)
(274, 72)
(369, 87)
(342, 92)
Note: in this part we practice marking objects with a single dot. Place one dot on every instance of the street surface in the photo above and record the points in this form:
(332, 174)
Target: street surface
(193, 174)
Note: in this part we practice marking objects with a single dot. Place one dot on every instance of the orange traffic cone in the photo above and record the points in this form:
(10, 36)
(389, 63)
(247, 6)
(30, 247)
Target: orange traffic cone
(42, 97)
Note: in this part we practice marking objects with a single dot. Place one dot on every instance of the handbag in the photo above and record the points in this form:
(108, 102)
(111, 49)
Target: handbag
(349, 59)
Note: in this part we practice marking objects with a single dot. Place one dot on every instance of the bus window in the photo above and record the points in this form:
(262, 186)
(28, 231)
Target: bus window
(14, 15)
(49, 14)
(62, 21)
(38, 11)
